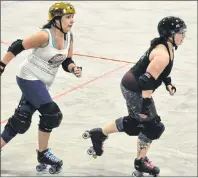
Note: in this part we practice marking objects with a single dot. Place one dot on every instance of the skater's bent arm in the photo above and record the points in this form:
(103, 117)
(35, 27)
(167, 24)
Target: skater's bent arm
(36, 40)
(159, 61)
(155, 68)
(70, 54)
(18, 46)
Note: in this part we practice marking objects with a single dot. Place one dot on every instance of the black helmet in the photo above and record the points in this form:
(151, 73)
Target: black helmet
(168, 26)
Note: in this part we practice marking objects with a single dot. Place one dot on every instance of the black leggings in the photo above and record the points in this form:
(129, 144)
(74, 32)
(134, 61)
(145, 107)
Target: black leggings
(130, 124)
(134, 102)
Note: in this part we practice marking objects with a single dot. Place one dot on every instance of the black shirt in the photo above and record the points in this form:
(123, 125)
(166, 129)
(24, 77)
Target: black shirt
(130, 79)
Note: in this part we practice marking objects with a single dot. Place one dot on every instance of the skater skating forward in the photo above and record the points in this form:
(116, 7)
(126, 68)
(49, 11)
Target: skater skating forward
(52, 47)
(137, 87)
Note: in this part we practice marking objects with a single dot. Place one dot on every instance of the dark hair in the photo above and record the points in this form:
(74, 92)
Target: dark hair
(156, 40)
(47, 25)
(52, 22)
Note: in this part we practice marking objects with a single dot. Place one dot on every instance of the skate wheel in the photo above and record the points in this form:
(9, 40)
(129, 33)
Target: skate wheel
(38, 168)
(155, 172)
(155, 175)
(41, 167)
(137, 174)
(94, 155)
(58, 169)
(90, 151)
(86, 135)
(52, 170)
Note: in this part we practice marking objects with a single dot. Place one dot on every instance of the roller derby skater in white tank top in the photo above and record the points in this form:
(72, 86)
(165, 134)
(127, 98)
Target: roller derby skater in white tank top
(137, 86)
(52, 47)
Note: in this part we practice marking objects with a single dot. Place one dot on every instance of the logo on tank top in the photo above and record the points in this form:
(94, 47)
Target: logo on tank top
(57, 60)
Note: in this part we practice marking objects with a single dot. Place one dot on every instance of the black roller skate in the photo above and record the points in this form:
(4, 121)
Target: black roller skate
(46, 158)
(142, 166)
(97, 138)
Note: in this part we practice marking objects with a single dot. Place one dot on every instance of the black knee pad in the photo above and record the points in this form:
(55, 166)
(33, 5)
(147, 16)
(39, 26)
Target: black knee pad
(8, 133)
(51, 117)
(20, 121)
(129, 125)
(154, 129)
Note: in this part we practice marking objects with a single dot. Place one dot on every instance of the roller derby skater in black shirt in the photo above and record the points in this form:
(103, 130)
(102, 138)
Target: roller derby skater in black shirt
(137, 86)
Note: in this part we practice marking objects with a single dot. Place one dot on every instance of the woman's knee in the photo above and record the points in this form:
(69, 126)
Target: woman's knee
(19, 122)
(129, 125)
(154, 129)
(51, 117)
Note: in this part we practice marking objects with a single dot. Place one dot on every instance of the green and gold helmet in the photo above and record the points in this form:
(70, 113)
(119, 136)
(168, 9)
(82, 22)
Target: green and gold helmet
(60, 9)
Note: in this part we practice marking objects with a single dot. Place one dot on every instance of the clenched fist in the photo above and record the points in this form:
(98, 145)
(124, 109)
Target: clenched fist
(171, 89)
(77, 71)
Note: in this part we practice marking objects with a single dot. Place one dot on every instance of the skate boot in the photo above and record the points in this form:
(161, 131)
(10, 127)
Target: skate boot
(46, 158)
(142, 166)
(97, 138)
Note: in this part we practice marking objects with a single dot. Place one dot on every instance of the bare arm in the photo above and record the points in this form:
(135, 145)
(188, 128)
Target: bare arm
(69, 65)
(70, 54)
(33, 41)
(159, 61)
(37, 40)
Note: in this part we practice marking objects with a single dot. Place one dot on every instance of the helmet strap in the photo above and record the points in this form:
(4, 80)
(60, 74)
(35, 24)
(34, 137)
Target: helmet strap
(173, 42)
(60, 28)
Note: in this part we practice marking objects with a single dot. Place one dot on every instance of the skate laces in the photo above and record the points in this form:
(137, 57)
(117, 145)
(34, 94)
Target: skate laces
(51, 157)
(148, 163)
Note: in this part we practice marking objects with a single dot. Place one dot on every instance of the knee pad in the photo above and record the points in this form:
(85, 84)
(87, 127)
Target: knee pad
(154, 129)
(8, 133)
(20, 121)
(50, 118)
(129, 125)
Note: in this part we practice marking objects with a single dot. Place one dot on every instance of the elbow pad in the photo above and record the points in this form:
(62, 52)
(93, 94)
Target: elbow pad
(66, 63)
(16, 47)
(147, 82)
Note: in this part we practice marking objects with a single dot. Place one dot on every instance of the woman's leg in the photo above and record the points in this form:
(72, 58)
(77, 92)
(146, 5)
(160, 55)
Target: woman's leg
(37, 94)
(144, 142)
(3, 143)
(110, 128)
(128, 123)
(19, 122)
(131, 125)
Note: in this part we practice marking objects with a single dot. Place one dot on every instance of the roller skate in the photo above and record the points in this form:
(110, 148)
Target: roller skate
(46, 158)
(97, 138)
(142, 166)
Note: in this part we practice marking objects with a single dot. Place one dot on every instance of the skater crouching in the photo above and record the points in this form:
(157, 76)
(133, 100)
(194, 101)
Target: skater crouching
(137, 87)
(52, 47)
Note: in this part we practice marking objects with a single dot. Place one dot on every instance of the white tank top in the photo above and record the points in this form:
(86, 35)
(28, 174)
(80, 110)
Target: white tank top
(43, 63)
